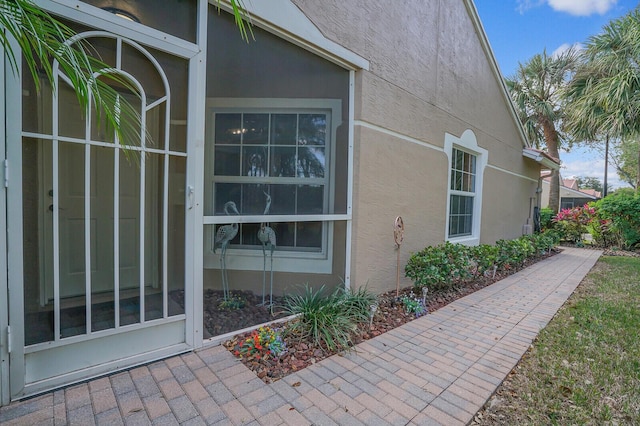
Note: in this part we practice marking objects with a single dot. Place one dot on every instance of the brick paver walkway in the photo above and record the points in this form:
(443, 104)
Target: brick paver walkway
(438, 369)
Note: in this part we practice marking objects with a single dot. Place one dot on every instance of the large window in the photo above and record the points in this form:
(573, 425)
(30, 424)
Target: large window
(463, 186)
(466, 167)
(273, 158)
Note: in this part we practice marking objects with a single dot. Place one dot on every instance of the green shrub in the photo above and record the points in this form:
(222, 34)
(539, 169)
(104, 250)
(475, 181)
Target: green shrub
(546, 219)
(440, 266)
(328, 319)
(619, 219)
(484, 256)
(573, 222)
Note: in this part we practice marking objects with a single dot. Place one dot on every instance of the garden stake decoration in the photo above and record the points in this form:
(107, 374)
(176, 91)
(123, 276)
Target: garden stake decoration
(425, 290)
(224, 235)
(398, 236)
(267, 237)
(373, 309)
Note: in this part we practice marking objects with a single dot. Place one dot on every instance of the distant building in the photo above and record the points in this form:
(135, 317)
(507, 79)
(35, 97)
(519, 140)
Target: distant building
(570, 195)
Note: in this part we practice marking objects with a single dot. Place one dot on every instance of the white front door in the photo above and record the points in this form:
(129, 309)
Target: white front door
(103, 226)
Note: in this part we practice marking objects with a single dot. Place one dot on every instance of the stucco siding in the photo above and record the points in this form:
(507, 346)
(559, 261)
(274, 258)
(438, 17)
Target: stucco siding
(507, 204)
(394, 178)
(429, 75)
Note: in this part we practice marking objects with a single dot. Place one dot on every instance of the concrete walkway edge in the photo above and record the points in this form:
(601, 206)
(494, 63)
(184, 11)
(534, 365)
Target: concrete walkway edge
(437, 370)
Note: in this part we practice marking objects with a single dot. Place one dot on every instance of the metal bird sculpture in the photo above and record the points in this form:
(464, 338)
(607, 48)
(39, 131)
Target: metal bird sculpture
(224, 235)
(267, 237)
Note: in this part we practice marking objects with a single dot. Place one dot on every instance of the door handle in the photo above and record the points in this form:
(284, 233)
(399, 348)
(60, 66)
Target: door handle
(190, 196)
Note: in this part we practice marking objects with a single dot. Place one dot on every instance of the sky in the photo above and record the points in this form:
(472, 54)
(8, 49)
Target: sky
(519, 29)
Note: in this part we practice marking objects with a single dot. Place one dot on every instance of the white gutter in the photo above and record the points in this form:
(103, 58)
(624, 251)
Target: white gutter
(539, 157)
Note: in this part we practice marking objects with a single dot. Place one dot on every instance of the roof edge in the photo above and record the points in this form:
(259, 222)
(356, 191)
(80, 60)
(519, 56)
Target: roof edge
(484, 41)
(542, 158)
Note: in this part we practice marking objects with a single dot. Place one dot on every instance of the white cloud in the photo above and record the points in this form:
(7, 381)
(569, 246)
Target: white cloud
(564, 47)
(572, 7)
(582, 7)
(524, 5)
(584, 162)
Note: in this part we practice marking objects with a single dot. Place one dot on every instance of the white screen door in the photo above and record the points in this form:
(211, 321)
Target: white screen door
(103, 227)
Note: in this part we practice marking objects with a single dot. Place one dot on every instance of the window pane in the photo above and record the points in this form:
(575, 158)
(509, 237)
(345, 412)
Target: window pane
(309, 234)
(249, 234)
(283, 129)
(285, 233)
(310, 198)
(255, 128)
(228, 128)
(460, 215)
(283, 198)
(313, 129)
(227, 161)
(459, 157)
(254, 201)
(283, 162)
(254, 161)
(311, 162)
(224, 192)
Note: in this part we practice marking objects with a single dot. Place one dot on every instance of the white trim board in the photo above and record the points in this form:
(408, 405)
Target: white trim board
(397, 135)
(286, 20)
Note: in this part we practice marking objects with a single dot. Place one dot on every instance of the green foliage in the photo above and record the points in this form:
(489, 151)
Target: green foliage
(328, 319)
(413, 305)
(233, 303)
(619, 218)
(439, 266)
(484, 256)
(546, 218)
(572, 223)
(442, 267)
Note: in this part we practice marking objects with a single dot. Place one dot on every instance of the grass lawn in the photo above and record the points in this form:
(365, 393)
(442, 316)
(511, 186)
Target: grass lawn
(584, 368)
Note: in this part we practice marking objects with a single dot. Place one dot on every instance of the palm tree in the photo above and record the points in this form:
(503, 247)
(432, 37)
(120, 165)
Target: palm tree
(42, 39)
(605, 92)
(537, 90)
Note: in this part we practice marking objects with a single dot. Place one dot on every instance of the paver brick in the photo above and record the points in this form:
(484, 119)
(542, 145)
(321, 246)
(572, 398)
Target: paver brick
(103, 400)
(236, 412)
(438, 369)
(156, 406)
(182, 408)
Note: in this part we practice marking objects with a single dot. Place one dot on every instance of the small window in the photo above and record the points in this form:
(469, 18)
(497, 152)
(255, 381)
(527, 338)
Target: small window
(464, 205)
(462, 194)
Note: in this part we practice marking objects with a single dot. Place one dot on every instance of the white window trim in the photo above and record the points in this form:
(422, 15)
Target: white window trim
(466, 142)
(283, 260)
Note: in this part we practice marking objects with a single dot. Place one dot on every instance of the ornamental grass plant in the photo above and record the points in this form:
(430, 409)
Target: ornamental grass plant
(328, 319)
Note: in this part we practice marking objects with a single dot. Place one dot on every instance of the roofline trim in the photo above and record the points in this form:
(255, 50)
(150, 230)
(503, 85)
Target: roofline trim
(484, 41)
(285, 20)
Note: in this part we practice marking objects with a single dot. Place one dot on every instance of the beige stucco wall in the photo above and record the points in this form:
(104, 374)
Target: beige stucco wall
(429, 75)
(507, 205)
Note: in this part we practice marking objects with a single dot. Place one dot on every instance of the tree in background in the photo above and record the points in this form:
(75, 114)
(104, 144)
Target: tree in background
(537, 90)
(625, 160)
(590, 182)
(604, 95)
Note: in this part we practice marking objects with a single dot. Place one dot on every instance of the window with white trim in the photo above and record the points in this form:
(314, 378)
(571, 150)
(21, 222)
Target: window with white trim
(464, 204)
(273, 157)
(462, 193)
(273, 163)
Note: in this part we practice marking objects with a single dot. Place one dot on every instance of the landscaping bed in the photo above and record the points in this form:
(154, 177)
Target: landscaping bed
(391, 312)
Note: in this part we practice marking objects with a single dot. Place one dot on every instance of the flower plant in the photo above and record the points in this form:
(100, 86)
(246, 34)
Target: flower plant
(413, 305)
(262, 343)
(574, 221)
